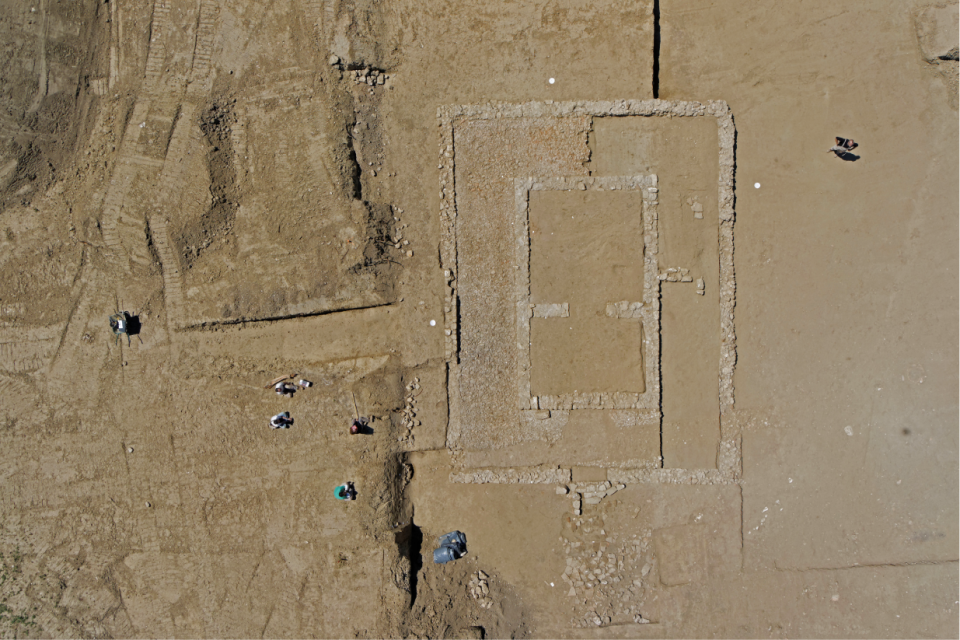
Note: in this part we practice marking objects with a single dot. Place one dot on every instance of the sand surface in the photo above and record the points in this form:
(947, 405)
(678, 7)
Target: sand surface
(609, 305)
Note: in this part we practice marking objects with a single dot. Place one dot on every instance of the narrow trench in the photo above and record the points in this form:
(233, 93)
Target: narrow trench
(656, 96)
(416, 559)
(660, 403)
(354, 173)
(656, 49)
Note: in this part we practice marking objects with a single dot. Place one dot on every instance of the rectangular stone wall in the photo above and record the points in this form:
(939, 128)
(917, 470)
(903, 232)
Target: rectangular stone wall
(649, 312)
(452, 120)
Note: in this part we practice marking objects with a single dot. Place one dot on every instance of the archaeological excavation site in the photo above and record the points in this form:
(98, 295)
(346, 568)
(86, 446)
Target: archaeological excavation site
(533, 319)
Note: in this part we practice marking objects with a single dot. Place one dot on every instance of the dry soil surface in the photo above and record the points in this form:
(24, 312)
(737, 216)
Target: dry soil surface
(611, 308)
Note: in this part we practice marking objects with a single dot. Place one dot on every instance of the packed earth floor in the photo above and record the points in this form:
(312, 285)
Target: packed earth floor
(608, 304)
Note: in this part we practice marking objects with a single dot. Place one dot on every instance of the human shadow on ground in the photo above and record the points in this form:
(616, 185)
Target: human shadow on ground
(133, 326)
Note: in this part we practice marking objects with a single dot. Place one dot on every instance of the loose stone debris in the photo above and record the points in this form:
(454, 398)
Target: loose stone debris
(609, 576)
(397, 241)
(479, 588)
(408, 415)
(696, 207)
(700, 285)
(371, 77)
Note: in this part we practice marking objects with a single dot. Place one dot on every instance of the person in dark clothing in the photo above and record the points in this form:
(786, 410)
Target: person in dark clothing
(843, 146)
(359, 425)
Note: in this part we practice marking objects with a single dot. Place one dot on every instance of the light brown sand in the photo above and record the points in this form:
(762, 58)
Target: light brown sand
(784, 467)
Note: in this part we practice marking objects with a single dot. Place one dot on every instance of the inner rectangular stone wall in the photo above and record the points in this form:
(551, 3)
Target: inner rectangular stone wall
(644, 312)
(586, 248)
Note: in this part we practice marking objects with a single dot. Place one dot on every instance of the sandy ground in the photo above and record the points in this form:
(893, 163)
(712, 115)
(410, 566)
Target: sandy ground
(482, 225)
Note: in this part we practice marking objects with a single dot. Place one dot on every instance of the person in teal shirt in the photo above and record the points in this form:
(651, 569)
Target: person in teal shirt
(346, 491)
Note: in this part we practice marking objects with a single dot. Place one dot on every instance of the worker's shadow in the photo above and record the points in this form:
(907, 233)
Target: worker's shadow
(848, 157)
(133, 326)
(365, 430)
